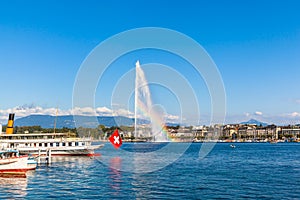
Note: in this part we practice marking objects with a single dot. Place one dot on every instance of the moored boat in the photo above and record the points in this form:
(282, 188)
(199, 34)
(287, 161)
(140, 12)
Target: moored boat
(40, 143)
(12, 164)
(59, 144)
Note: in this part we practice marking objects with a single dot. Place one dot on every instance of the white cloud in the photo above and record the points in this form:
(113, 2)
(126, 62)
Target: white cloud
(294, 114)
(171, 118)
(85, 111)
(103, 111)
(123, 112)
(258, 113)
(23, 111)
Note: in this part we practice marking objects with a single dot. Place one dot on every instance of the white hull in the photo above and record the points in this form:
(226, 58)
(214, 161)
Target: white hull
(15, 165)
(61, 151)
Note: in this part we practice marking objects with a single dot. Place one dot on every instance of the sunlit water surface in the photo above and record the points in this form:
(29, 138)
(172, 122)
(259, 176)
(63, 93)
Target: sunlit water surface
(251, 170)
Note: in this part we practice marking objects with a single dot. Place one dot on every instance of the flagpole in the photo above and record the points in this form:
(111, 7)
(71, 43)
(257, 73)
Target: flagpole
(55, 120)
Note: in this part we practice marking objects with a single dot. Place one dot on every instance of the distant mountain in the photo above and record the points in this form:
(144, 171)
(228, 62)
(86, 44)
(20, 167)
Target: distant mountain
(254, 121)
(173, 124)
(47, 121)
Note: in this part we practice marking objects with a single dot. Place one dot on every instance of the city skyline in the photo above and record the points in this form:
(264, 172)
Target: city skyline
(253, 44)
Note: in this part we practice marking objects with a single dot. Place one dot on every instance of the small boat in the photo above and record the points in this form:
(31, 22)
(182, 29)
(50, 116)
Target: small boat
(232, 146)
(12, 164)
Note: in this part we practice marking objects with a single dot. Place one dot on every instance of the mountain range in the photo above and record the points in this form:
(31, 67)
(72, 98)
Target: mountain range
(254, 121)
(47, 121)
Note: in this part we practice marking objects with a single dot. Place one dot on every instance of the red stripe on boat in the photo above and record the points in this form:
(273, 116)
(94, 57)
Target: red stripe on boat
(94, 154)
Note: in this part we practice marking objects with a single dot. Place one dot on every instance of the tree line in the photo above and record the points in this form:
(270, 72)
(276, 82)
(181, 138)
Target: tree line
(97, 132)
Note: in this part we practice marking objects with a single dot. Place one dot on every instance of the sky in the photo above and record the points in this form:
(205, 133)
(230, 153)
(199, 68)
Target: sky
(254, 44)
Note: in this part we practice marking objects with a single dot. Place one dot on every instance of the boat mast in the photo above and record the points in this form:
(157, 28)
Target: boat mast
(55, 119)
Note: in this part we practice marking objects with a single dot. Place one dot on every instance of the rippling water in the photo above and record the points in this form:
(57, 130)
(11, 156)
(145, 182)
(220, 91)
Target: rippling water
(250, 170)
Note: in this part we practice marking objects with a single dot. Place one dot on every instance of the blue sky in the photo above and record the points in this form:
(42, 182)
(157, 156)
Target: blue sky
(255, 45)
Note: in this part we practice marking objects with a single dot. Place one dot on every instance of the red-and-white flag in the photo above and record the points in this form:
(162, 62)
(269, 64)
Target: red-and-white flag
(115, 139)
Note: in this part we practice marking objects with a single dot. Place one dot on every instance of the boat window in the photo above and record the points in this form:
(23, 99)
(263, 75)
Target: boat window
(83, 144)
(76, 143)
(57, 144)
(70, 143)
(63, 144)
(40, 144)
(51, 144)
(46, 144)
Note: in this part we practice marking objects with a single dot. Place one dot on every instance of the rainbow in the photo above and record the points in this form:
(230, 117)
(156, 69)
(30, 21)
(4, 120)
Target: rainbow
(156, 119)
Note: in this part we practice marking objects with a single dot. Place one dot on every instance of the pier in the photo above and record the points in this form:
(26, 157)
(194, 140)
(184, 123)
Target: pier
(45, 158)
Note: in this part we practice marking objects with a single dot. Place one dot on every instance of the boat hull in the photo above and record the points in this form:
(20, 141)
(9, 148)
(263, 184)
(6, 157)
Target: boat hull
(62, 151)
(15, 166)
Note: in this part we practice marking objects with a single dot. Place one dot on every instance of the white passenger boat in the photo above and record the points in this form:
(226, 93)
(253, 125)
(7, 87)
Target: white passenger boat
(60, 144)
(57, 144)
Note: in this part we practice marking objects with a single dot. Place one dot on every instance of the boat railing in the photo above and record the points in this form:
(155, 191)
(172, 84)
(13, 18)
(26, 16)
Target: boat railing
(47, 140)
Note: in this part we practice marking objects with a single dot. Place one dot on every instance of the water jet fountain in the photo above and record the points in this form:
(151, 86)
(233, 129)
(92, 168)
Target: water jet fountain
(144, 108)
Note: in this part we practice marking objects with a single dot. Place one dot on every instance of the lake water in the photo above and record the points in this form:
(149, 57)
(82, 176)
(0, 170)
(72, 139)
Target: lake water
(251, 170)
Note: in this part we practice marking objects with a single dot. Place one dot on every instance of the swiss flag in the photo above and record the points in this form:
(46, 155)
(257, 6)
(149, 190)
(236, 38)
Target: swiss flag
(115, 139)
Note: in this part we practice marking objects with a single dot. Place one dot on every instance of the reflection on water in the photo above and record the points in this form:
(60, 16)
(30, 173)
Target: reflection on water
(66, 159)
(115, 175)
(144, 157)
(16, 187)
